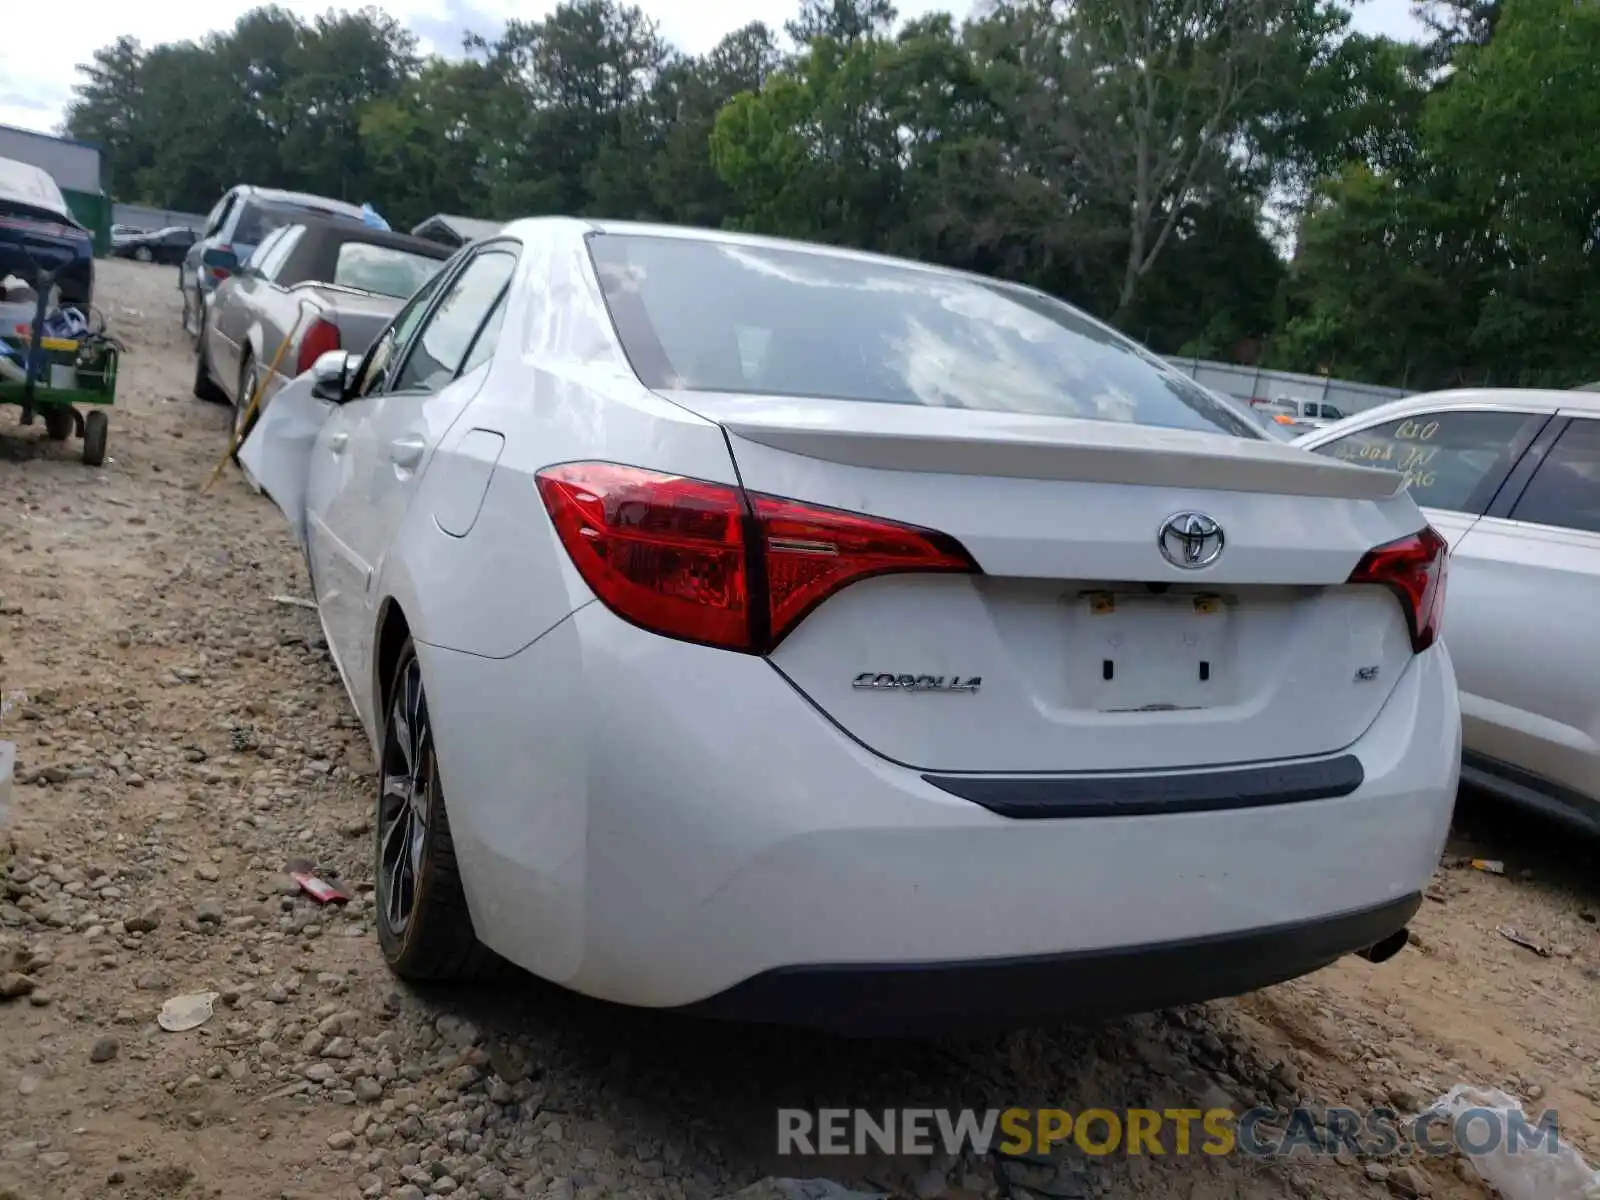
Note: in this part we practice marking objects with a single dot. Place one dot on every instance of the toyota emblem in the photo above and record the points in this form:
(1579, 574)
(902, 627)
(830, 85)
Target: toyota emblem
(1190, 540)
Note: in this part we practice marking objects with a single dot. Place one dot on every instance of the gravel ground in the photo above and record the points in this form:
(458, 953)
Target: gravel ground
(183, 738)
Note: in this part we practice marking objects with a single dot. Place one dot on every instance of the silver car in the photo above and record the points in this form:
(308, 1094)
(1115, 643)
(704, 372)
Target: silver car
(311, 286)
(1512, 480)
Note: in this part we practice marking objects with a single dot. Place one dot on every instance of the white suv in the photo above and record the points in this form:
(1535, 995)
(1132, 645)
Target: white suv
(1512, 480)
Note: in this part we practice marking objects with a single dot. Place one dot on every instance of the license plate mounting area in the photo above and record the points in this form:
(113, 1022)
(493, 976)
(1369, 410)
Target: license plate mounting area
(1133, 652)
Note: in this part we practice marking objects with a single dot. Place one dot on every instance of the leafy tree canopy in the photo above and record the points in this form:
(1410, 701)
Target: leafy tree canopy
(1243, 179)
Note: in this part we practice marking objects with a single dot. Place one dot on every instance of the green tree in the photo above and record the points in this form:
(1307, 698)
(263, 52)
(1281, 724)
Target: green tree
(1514, 130)
(1213, 175)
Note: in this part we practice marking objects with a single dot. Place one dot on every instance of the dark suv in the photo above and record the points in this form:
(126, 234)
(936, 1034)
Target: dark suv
(236, 225)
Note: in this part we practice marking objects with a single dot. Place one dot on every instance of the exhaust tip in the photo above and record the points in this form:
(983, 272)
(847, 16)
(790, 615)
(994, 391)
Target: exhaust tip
(1383, 951)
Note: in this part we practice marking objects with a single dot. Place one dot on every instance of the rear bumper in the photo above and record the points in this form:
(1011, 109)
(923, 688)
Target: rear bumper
(657, 823)
(897, 998)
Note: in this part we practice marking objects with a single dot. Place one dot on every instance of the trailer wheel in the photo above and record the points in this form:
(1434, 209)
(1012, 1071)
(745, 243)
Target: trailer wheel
(96, 429)
(58, 422)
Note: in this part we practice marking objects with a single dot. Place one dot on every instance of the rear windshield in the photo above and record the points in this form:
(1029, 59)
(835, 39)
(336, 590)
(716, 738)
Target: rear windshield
(711, 316)
(383, 269)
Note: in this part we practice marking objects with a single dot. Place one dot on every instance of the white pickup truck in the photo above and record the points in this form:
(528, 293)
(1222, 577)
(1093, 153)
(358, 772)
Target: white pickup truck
(1297, 415)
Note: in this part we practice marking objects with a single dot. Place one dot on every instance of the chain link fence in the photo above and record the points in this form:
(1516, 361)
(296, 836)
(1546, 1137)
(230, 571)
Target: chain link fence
(1255, 383)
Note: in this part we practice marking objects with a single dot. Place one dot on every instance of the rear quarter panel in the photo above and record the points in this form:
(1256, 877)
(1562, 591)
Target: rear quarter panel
(274, 340)
(558, 390)
(360, 318)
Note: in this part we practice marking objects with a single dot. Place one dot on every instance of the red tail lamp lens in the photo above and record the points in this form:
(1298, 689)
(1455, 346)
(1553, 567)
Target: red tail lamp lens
(1414, 569)
(320, 337)
(707, 562)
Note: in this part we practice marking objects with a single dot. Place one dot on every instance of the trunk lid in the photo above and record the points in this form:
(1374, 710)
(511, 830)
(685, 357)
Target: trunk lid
(1094, 651)
(361, 316)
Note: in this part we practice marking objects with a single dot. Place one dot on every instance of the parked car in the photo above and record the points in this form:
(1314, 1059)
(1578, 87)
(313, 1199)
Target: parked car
(348, 278)
(39, 232)
(1288, 418)
(170, 245)
(234, 227)
(1310, 411)
(774, 630)
(1512, 480)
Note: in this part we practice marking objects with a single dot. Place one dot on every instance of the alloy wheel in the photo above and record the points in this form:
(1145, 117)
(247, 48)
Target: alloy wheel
(404, 801)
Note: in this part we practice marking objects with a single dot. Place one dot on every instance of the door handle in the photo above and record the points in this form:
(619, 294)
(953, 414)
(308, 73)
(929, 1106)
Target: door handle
(407, 451)
(337, 441)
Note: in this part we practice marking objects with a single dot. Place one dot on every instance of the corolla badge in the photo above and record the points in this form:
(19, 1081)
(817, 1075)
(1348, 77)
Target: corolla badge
(891, 682)
(1190, 540)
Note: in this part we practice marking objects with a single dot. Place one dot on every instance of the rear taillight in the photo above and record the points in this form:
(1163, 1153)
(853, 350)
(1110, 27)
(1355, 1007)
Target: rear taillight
(1414, 569)
(711, 563)
(320, 337)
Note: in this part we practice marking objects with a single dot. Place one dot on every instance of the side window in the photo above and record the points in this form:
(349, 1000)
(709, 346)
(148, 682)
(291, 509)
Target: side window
(219, 214)
(283, 243)
(1451, 460)
(1331, 413)
(441, 349)
(1565, 491)
(483, 346)
(258, 257)
(382, 359)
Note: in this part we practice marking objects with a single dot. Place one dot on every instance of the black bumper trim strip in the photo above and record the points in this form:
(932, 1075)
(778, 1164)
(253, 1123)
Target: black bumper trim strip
(1054, 797)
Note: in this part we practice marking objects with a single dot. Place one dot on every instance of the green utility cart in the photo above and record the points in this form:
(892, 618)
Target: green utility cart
(70, 383)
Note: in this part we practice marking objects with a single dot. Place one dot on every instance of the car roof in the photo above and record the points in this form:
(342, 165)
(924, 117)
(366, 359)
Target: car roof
(299, 199)
(315, 255)
(1538, 399)
(728, 238)
(1551, 398)
(325, 227)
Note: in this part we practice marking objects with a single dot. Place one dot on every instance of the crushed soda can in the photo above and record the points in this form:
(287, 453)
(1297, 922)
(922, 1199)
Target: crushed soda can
(1491, 865)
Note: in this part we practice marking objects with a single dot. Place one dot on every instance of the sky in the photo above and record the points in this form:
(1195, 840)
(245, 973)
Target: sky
(41, 46)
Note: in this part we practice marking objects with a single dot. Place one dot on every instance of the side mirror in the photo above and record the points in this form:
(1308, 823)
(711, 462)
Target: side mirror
(219, 259)
(330, 375)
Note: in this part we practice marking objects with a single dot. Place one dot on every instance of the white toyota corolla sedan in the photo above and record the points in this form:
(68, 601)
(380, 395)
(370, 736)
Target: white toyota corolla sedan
(775, 631)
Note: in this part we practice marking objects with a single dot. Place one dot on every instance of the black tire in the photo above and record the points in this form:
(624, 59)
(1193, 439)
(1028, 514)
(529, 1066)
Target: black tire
(193, 311)
(58, 422)
(241, 427)
(204, 387)
(419, 908)
(96, 430)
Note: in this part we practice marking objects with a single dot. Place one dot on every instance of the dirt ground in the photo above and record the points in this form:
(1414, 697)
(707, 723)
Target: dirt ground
(181, 737)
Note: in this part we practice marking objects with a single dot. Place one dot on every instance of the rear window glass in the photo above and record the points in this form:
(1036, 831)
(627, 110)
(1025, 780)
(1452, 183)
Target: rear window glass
(383, 269)
(715, 316)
